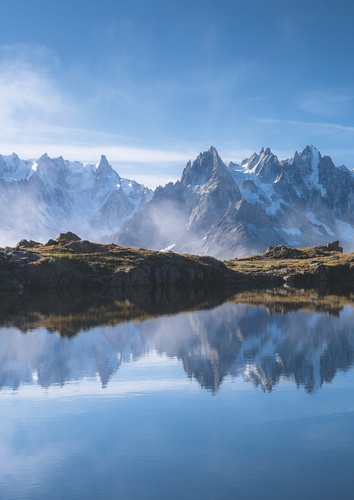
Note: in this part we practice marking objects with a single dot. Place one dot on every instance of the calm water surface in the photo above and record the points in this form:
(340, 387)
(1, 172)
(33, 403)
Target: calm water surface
(233, 402)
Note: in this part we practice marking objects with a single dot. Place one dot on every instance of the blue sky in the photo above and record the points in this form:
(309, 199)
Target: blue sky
(151, 83)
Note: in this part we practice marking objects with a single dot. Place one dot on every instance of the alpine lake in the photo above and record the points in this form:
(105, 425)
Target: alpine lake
(177, 395)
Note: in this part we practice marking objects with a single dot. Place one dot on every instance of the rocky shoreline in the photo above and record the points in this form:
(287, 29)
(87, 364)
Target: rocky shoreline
(321, 267)
(71, 263)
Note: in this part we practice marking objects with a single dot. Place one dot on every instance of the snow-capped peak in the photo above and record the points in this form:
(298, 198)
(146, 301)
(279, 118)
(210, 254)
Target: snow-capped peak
(310, 152)
(59, 195)
(13, 169)
(203, 168)
(103, 168)
(265, 165)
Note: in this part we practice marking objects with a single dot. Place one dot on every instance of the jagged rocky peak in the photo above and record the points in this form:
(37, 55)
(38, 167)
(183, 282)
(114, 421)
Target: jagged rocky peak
(265, 165)
(310, 157)
(303, 170)
(250, 162)
(56, 166)
(206, 165)
(310, 150)
(268, 166)
(45, 160)
(103, 168)
(9, 164)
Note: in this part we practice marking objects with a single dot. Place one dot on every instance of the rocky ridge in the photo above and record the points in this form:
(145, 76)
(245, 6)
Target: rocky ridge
(69, 262)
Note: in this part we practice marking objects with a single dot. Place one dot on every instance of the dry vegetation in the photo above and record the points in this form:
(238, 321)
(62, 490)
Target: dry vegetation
(285, 262)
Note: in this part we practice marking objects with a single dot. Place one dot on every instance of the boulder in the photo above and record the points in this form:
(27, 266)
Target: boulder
(28, 244)
(282, 252)
(67, 237)
(330, 247)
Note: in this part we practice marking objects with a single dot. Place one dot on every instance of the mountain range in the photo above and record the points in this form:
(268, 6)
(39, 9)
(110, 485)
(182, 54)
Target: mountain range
(234, 210)
(39, 199)
(214, 209)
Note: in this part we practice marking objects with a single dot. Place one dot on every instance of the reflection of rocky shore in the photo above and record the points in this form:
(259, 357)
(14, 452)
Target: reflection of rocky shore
(68, 313)
(235, 338)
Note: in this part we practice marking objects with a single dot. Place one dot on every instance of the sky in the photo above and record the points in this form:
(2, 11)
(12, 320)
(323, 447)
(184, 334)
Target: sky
(152, 83)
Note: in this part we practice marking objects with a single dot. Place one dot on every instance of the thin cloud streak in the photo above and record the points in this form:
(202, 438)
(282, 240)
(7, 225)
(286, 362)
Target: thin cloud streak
(333, 139)
(92, 154)
(37, 116)
(28, 95)
(324, 103)
(324, 125)
(148, 166)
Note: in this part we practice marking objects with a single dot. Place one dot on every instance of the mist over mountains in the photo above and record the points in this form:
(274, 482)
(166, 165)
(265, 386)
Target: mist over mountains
(40, 199)
(214, 209)
(241, 209)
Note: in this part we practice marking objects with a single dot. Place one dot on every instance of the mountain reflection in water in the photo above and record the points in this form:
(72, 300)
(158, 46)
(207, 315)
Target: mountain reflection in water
(261, 337)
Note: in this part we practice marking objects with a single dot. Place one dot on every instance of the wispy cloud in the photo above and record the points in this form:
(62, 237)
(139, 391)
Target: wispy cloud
(333, 139)
(27, 93)
(326, 103)
(37, 116)
(320, 126)
(149, 166)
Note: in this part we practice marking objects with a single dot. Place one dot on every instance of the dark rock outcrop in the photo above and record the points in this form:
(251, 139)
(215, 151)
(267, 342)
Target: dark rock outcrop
(69, 262)
(67, 237)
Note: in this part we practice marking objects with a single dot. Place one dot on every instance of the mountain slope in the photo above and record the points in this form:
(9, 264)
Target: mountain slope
(242, 209)
(181, 215)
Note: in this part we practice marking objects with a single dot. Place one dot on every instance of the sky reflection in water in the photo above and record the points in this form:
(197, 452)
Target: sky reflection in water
(231, 402)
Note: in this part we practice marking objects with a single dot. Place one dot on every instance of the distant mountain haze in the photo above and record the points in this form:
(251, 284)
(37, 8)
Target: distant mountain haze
(41, 199)
(214, 209)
